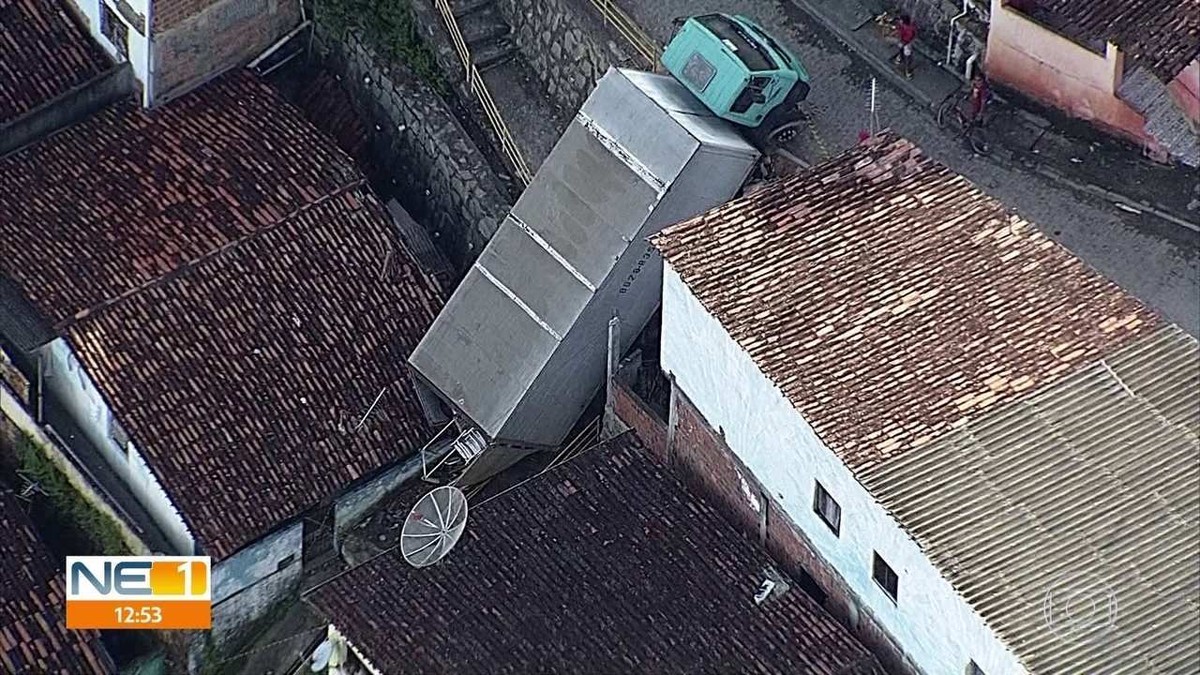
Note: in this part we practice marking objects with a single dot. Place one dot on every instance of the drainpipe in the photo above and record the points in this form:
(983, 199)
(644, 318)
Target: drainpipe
(950, 38)
(967, 71)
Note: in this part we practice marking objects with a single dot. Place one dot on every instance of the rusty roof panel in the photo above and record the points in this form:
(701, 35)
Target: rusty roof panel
(892, 301)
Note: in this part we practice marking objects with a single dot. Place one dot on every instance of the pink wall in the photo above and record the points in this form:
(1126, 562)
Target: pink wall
(1046, 66)
(1185, 89)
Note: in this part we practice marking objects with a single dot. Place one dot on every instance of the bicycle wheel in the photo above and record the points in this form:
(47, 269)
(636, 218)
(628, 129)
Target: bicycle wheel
(944, 114)
(978, 142)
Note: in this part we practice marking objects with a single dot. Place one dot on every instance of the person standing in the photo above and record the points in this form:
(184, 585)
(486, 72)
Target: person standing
(906, 30)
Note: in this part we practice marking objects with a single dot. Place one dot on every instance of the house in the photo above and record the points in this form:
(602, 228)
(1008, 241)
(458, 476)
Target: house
(51, 73)
(215, 312)
(1130, 68)
(174, 46)
(953, 424)
(605, 564)
(33, 634)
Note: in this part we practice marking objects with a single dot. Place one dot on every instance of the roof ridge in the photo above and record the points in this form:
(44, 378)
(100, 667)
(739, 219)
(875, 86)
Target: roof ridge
(89, 312)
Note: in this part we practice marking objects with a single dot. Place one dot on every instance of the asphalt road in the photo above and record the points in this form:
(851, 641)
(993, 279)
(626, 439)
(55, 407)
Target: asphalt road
(1148, 257)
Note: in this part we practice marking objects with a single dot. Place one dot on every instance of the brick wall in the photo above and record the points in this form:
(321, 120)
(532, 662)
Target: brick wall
(170, 13)
(633, 412)
(224, 34)
(700, 454)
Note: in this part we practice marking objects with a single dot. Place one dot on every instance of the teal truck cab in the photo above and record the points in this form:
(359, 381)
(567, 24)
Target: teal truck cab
(740, 73)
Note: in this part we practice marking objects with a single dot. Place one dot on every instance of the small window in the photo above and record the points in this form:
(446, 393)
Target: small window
(827, 509)
(114, 29)
(886, 577)
(974, 669)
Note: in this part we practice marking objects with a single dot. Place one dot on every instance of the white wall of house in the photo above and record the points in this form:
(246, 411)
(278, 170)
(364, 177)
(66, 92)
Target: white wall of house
(67, 380)
(137, 42)
(931, 622)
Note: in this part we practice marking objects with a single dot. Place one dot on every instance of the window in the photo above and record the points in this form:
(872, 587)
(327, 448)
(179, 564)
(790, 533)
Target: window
(698, 71)
(114, 29)
(827, 509)
(974, 669)
(886, 577)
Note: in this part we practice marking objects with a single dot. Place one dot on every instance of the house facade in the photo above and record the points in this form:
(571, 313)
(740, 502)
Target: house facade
(1129, 68)
(174, 46)
(912, 325)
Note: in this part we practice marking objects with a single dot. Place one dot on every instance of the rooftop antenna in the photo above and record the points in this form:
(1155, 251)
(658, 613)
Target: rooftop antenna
(433, 526)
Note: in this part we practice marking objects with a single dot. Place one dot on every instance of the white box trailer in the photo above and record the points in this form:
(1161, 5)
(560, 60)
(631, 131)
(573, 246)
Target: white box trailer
(520, 349)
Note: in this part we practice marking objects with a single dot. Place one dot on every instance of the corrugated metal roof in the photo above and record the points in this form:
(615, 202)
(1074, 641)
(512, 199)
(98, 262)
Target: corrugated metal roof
(892, 301)
(1069, 520)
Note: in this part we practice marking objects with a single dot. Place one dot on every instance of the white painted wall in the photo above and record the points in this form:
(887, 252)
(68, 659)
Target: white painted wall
(138, 43)
(931, 622)
(65, 377)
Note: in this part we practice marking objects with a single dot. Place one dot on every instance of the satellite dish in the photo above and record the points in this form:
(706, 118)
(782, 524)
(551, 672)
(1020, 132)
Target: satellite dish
(320, 657)
(433, 526)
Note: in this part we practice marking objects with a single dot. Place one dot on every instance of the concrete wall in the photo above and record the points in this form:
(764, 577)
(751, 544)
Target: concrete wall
(1044, 65)
(353, 505)
(220, 36)
(248, 583)
(565, 43)
(931, 623)
(69, 108)
(66, 379)
(12, 409)
(447, 184)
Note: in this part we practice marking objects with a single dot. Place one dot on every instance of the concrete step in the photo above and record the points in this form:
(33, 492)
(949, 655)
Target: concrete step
(493, 54)
(483, 26)
(462, 8)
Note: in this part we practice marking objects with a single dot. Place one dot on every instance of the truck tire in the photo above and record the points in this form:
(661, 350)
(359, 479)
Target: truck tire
(778, 129)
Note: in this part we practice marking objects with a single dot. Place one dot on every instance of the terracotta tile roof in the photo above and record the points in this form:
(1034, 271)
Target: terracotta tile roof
(34, 639)
(236, 294)
(605, 565)
(164, 187)
(243, 376)
(891, 300)
(1161, 35)
(44, 51)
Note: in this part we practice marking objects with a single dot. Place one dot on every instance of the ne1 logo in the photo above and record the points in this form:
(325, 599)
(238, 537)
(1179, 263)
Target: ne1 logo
(139, 592)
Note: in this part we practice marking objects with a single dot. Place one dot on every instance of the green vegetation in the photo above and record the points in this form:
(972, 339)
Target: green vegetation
(390, 27)
(64, 517)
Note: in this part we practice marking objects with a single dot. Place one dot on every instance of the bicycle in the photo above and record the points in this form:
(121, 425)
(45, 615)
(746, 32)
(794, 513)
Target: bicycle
(954, 110)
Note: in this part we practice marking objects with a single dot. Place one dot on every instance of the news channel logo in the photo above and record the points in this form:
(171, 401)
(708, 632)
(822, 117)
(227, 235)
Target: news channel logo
(1079, 608)
(139, 592)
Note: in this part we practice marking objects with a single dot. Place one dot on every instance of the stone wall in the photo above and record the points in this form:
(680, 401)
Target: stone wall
(567, 45)
(419, 147)
(699, 453)
(225, 34)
